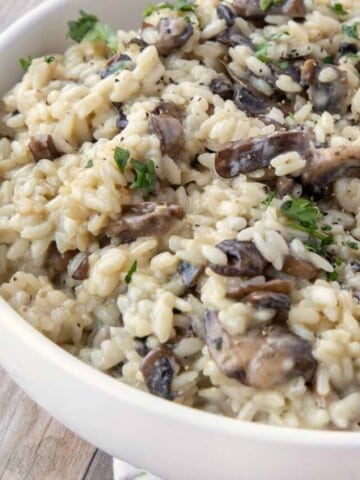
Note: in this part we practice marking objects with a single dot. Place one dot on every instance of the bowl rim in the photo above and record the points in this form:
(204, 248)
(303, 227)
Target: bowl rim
(70, 365)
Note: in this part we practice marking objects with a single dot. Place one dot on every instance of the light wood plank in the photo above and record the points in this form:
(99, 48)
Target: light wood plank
(100, 467)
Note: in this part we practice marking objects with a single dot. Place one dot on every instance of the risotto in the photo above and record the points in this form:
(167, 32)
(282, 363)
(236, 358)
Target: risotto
(179, 205)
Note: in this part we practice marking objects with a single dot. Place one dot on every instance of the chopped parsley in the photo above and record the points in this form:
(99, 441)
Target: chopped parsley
(302, 211)
(262, 48)
(304, 216)
(131, 272)
(25, 63)
(49, 59)
(121, 157)
(88, 27)
(351, 30)
(332, 276)
(270, 197)
(338, 9)
(283, 65)
(266, 4)
(180, 6)
(328, 60)
(353, 245)
(145, 175)
(89, 164)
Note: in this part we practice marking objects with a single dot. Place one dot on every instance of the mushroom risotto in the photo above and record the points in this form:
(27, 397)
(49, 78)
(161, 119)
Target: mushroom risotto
(179, 206)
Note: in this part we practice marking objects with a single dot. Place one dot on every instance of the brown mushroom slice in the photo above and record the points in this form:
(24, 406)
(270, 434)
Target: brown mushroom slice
(190, 274)
(81, 272)
(273, 300)
(298, 267)
(143, 220)
(158, 371)
(264, 357)
(331, 96)
(118, 62)
(232, 37)
(250, 100)
(286, 186)
(174, 33)
(256, 153)
(254, 9)
(328, 164)
(169, 131)
(278, 285)
(243, 259)
(168, 108)
(222, 86)
(56, 262)
(43, 147)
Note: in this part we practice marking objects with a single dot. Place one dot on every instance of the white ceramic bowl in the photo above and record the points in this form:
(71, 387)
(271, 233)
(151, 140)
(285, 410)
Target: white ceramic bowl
(172, 441)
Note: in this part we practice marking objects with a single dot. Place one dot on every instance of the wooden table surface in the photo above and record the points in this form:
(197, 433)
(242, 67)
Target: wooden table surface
(33, 446)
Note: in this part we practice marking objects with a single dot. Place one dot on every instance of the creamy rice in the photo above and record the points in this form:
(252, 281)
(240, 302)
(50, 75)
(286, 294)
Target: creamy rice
(235, 288)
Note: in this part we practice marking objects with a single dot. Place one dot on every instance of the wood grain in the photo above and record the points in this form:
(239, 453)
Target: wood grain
(33, 446)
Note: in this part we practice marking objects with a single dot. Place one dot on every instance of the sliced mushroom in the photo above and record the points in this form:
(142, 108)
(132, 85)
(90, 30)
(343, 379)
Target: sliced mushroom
(118, 62)
(256, 153)
(139, 42)
(244, 259)
(328, 164)
(169, 131)
(143, 220)
(222, 86)
(286, 186)
(254, 9)
(299, 268)
(264, 357)
(43, 147)
(278, 285)
(158, 371)
(168, 108)
(250, 100)
(57, 263)
(232, 37)
(140, 346)
(225, 12)
(121, 121)
(190, 273)
(276, 301)
(331, 96)
(82, 270)
(174, 33)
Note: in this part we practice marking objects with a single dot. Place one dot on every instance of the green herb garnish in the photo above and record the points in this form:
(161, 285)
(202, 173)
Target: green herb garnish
(332, 276)
(328, 60)
(89, 164)
(283, 65)
(145, 175)
(49, 59)
(121, 157)
(303, 211)
(277, 36)
(131, 272)
(180, 6)
(353, 245)
(261, 48)
(266, 4)
(270, 197)
(26, 62)
(338, 9)
(88, 27)
(351, 30)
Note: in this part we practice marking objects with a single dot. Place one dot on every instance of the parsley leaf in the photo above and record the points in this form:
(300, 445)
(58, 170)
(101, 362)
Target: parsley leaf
(180, 6)
(121, 157)
(283, 65)
(80, 28)
(89, 164)
(261, 48)
(338, 9)
(353, 245)
(49, 59)
(328, 60)
(351, 30)
(88, 27)
(269, 199)
(25, 63)
(303, 211)
(145, 175)
(131, 272)
(266, 4)
(332, 276)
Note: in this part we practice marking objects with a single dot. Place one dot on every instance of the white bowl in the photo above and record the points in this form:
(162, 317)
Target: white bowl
(172, 441)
